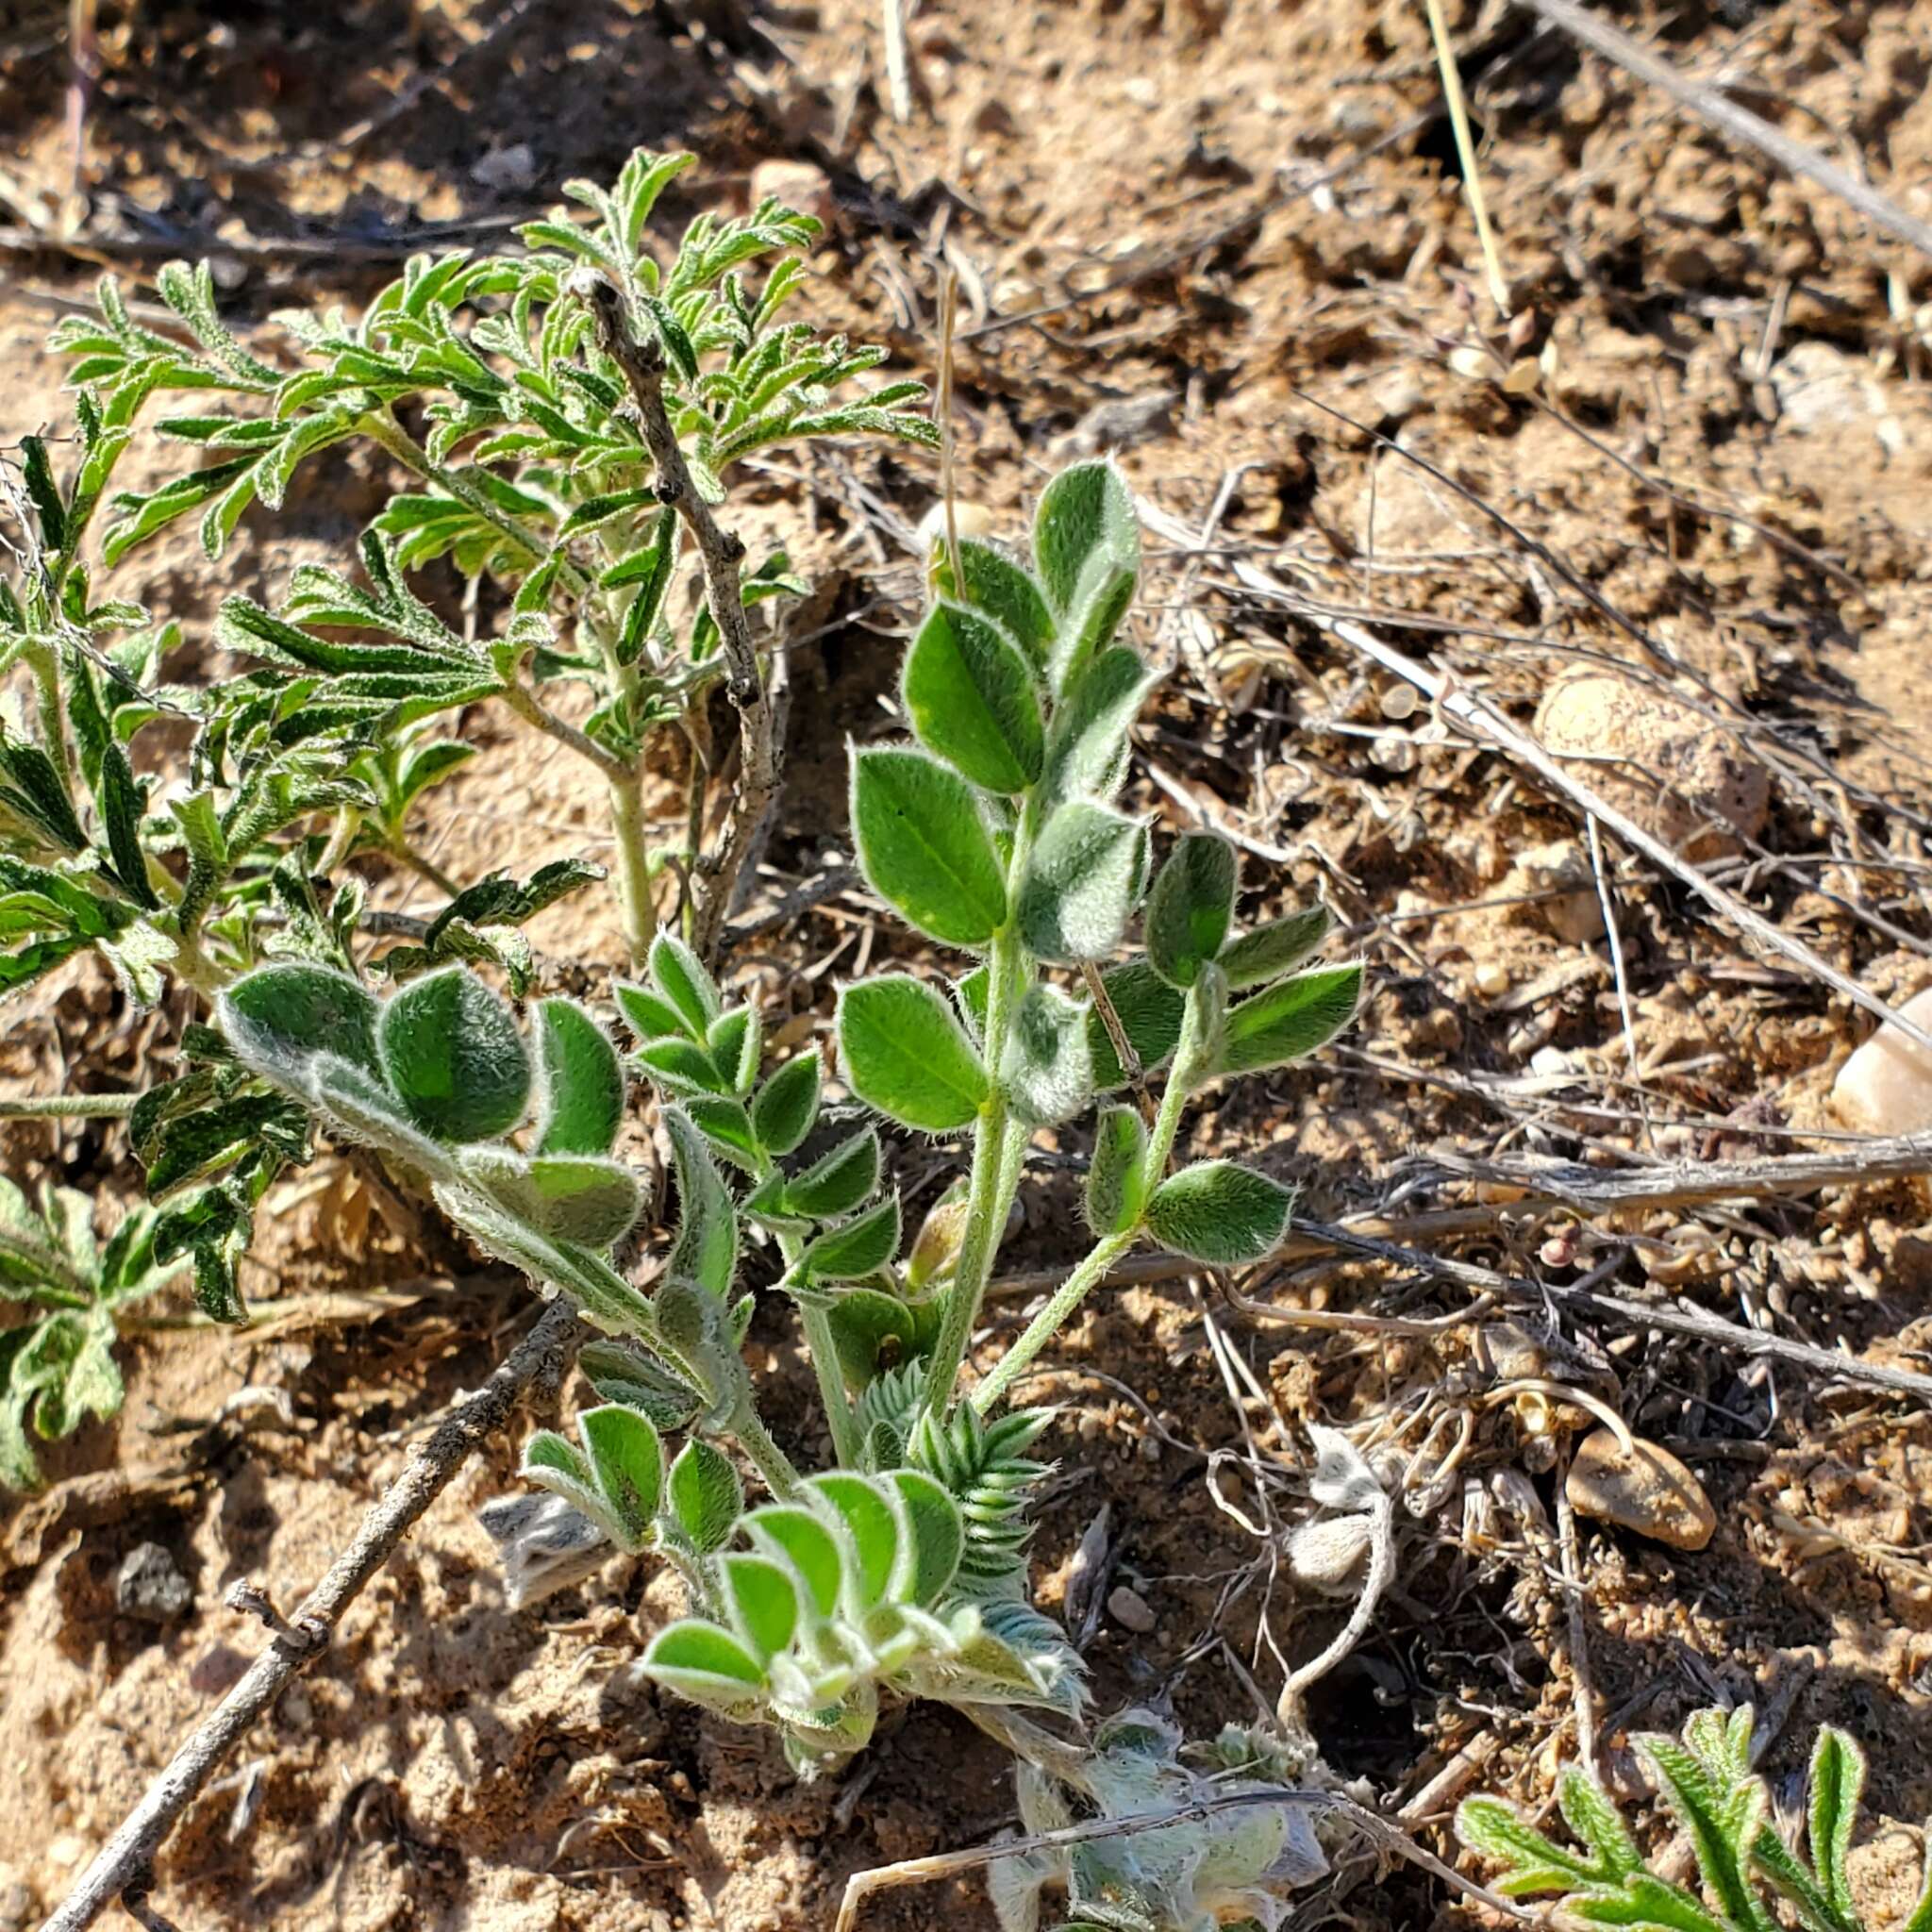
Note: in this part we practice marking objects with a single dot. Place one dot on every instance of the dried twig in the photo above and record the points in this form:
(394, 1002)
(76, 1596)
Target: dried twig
(1483, 723)
(949, 1864)
(125, 1864)
(1739, 122)
(721, 553)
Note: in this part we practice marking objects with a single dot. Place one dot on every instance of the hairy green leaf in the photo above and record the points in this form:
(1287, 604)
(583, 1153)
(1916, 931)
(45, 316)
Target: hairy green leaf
(902, 1051)
(924, 846)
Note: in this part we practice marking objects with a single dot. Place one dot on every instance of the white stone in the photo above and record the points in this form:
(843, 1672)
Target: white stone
(1885, 1087)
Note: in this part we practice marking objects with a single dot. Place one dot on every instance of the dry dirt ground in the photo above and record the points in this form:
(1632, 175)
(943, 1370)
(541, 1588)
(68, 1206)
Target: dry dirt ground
(1227, 239)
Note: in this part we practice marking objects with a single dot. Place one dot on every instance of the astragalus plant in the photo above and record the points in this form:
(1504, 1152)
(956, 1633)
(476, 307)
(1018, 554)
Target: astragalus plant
(901, 1569)
(567, 417)
(1751, 1879)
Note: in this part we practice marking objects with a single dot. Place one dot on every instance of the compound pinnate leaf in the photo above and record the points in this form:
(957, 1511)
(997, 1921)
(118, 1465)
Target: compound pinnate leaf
(1048, 1069)
(1083, 882)
(706, 1664)
(451, 1052)
(902, 1052)
(626, 1459)
(580, 1080)
(799, 1537)
(761, 1600)
(684, 985)
(970, 694)
(705, 1495)
(989, 580)
(1270, 951)
(1115, 1176)
(1191, 907)
(788, 1103)
(924, 846)
(1220, 1213)
(862, 1246)
(278, 1017)
(1288, 1021)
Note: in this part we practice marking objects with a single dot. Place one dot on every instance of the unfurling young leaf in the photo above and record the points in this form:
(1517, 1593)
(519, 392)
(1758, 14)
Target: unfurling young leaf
(1083, 883)
(1220, 1213)
(1117, 1176)
(1087, 549)
(1191, 907)
(580, 1081)
(902, 1052)
(924, 846)
(454, 1055)
(705, 1495)
(1048, 1070)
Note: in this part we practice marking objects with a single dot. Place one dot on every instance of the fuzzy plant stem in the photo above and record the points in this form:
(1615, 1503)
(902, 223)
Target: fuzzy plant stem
(999, 1142)
(67, 1106)
(771, 1461)
(1094, 1268)
(720, 554)
(846, 1442)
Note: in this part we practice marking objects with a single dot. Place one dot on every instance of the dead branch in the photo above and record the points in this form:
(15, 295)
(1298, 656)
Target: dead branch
(721, 553)
(1739, 122)
(1385, 1836)
(125, 1864)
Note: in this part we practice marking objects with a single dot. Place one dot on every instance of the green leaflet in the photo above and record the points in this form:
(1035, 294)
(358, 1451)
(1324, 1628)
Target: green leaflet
(970, 694)
(1220, 1213)
(924, 846)
(1190, 907)
(1083, 882)
(902, 1051)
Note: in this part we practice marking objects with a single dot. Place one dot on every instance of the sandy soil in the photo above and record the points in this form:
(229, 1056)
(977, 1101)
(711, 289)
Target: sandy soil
(1710, 472)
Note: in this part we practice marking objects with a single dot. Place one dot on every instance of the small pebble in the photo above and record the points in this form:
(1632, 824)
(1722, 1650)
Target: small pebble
(1130, 1610)
(1885, 1087)
(1492, 979)
(1653, 1494)
(149, 1584)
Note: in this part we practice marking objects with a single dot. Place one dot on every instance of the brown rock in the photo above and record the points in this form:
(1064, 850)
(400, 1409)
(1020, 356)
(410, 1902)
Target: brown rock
(799, 185)
(1652, 1493)
(1680, 776)
(1886, 1874)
